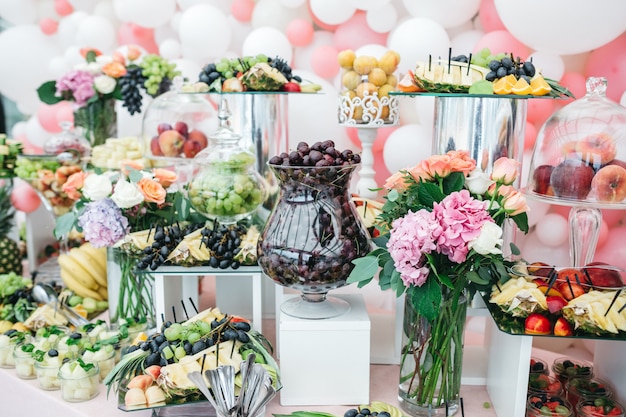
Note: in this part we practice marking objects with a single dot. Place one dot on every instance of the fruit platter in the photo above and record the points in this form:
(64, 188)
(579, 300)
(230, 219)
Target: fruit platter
(484, 74)
(545, 300)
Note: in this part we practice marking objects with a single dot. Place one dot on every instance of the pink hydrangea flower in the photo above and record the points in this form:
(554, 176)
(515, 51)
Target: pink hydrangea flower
(461, 218)
(77, 83)
(411, 237)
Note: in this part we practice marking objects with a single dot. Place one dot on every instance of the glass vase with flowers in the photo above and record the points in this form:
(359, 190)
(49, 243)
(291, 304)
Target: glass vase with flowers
(441, 229)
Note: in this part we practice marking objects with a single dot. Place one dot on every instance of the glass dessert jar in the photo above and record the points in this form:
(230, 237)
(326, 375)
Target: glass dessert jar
(586, 388)
(67, 141)
(540, 383)
(23, 359)
(541, 405)
(226, 187)
(79, 381)
(539, 366)
(8, 342)
(597, 407)
(104, 357)
(565, 368)
(47, 371)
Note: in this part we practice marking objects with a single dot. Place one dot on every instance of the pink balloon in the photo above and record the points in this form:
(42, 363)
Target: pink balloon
(539, 109)
(48, 26)
(613, 218)
(382, 172)
(63, 7)
(502, 41)
(299, 32)
(65, 112)
(242, 10)
(132, 34)
(488, 16)
(353, 135)
(530, 134)
(324, 61)
(562, 210)
(355, 32)
(603, 236)
(609, 61)
(613, 251)
(24, 198)
(47, 116)
(575, 82)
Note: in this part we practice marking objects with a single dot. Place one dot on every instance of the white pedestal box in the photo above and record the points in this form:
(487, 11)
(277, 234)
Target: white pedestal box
(326, 362)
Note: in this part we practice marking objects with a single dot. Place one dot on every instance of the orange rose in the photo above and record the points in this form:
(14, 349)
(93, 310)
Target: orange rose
(129, 164)
(515, 203)
(133, 52)
(396, 182)
(74, 183)
(114, 69)
(164, 176)
(85, 51)
(118, 57)
(152, 191)
(460, 161)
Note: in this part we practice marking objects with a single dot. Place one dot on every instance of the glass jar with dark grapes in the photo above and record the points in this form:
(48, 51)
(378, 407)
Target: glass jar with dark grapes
(314, 232)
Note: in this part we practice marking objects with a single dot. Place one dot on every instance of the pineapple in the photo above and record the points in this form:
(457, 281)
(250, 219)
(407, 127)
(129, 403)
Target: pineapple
(10, 254)
(439, 76)
(262, 77)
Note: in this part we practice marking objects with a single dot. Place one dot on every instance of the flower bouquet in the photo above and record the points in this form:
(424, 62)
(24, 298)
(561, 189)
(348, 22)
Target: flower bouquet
(441, 240)
(95, 85)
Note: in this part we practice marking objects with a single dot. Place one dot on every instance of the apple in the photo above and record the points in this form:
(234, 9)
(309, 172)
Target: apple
(540, 269)
(555, 303)
(542, 180)
(601, 274)
(570, 290)
(155, 148)
(191, 148)
(572, 179)
(563, 328)
(199, 137)
(171, 142)
(609, 184)
(182, 128)
(618, 162)
(537, 323)
(162, 127)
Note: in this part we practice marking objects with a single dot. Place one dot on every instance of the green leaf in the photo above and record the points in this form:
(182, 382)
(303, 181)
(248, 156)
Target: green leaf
(64, 224)
(47, 91)
(384, 277)
(429, 193)
(514, 249)
(396, 283)
(182, 206)
(502, 271)
(135, 175)
(521, 221)
(90, 56)
(474, 277)
(453, 182)
(426, 299)
(393, 195)
(364, 268)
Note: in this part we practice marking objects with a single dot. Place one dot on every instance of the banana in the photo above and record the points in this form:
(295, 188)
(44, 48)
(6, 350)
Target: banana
(72, 283)
(84, 259)
(77, 271)
(99, 255)
(103, 293)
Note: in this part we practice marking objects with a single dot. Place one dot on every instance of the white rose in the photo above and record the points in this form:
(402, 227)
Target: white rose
(97, 187)
(126, 194)
(104, 59)
(477, 182)
(104, 84)
(94, 68)
(489, 240)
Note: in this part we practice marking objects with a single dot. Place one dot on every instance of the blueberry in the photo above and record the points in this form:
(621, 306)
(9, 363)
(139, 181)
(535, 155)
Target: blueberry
(384, 414)
(365, 411)
(53, 353)
(76, 335)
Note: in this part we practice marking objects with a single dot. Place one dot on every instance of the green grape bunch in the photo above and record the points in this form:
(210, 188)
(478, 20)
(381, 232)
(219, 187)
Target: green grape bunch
(158, 73)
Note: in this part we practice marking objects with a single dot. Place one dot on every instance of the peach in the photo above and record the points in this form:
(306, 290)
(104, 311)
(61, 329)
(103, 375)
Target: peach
(171, 143)
(563, 328)
(538, 324)
(596, 149)
(182, 128)
(600, 274)
(142, 382)
(570, 290)
(191, 148)
(199, 137)
(609, 184)
(155, 148)
(135, 397)
(154, 371)
(541, 178)
(572, 179)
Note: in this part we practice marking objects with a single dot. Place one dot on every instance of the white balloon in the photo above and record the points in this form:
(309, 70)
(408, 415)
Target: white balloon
(415, 39)
(224, 6)
(165, 32)
(188, 68)
(536, 211)
(96, 32)
(18, 13)
(292, 3)
(170, 49)
(268, 41)
(68, 26)
(552, 65)
(541, 31)
(332, 12)
(35, 133)
(369, 4)
(27, 51)
(57, 67)
(45, 9)
(240, 30)
(408, 115)
(72, 56)
(382, 18)
(105, 9)
(84, 5)
(552, 230)
(204, 32)
(448, 13)
(18, 129)
(406, 147)
(372, 49)
(302, 56)
(175, 21)
(323, 125)
(273, 14)
(464, 42)
(534, 250)
(146, 13)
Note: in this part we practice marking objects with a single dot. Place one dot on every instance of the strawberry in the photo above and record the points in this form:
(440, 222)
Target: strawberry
(292, 87)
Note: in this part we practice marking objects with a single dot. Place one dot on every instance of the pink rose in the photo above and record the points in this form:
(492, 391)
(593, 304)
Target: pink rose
(396, 182)
(514, 203)
(74, 183)
(505, 171)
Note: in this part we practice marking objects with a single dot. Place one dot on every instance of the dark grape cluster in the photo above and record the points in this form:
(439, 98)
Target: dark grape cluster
(507, 66)
(129, 88)
(320, 154)
(223, 241)
(282, 66)
(166, 238)
(364, 412)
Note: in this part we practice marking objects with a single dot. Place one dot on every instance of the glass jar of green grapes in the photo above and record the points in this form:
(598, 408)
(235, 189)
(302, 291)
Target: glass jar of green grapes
(225, 186)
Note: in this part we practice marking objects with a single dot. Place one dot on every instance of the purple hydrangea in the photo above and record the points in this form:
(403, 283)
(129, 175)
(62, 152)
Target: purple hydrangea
(79, 84)
(103, 223)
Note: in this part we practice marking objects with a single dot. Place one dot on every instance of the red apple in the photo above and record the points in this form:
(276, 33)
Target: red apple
(555, 303)
(171, 143)
(572, 179)
(182, 128)
(563, 328)
(618, 162)
(199, 137)
(155, 148)
(609, 184)
(537, 323)
(191, 148)
(603, 275)
(542, 180)
(162, 127)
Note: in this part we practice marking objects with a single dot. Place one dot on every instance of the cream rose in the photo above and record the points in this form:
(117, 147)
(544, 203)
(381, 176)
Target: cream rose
(104, 84)
(97, 187)
(478, 182)
(489, 241)
(126, 194)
